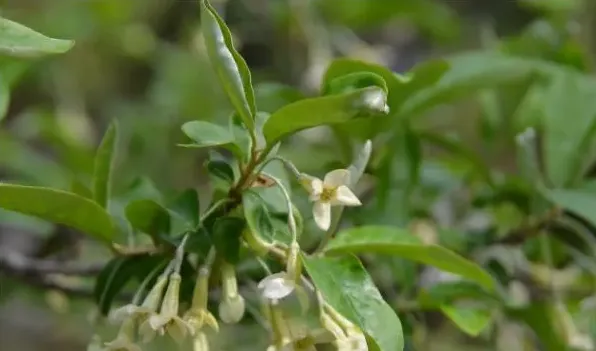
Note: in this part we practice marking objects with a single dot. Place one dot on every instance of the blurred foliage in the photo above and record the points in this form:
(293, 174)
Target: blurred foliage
(486, 155)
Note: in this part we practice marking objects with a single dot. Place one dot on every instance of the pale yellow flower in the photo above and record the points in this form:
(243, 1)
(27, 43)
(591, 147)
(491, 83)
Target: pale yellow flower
(331, 191)
(125, 339)
(167, 321)
(276, 286)
(149, 306)
(232, 305)
(200, 342)
(198, 315)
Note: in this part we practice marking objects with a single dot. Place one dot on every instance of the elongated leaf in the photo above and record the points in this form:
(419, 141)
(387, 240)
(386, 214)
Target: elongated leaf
(148, 217)
(319, 111)
(346, 286)
(4, 98)
(18, 40)
(205, 134)
(230, 67)
(468, 73)
(470, 320)
(59, 207)
(104, 160)
(570, 126)
(581, 202)
(395, 241)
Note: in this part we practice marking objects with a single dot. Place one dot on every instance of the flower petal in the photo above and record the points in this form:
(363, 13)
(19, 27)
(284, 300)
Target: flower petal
(146, 332)
(322, 214)
(311, 184)
(177, 329)
(337, 178)
(276, 286)
(345, 196)
(231, 310)
(120, 314)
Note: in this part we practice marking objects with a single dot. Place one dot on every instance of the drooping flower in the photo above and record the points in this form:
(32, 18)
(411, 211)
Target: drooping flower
(198, 315)
(232, 305)
(200, 342)
(331, 191)
(355, 336)
(167, 321)
(125, 339)
(149, 306)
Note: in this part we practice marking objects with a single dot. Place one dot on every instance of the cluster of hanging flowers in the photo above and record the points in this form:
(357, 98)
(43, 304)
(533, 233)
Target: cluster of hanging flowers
(159, 314)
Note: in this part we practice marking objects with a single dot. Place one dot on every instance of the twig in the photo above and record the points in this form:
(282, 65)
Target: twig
(20, 264)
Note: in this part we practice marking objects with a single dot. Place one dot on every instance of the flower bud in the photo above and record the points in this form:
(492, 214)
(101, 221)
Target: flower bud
(171, 299)
(153, 298)
(232, 306)
(294, 267)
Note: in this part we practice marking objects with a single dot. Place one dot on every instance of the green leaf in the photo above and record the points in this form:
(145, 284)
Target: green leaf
(467, 73)
(313, 112)
(148, 217)
(354, 81)
(79, 188)
(570, 124)
(230, 67)
(18, 40)
(540, 317)
(581, 202)
(4, 98)
(59, 207)
(346, 286)
(186, 205)
(257, 216)
(395, 241)
(206, 134)
(448, 292)
(226, 237)
(104, 160)
(221, 171)
(471, 320)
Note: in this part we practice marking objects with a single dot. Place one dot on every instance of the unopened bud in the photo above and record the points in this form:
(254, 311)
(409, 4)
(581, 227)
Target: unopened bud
(153, 298)
(171, 299)
(294, 267)
(232, 306)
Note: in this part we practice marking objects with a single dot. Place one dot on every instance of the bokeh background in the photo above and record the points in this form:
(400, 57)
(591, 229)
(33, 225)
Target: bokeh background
(143, 62)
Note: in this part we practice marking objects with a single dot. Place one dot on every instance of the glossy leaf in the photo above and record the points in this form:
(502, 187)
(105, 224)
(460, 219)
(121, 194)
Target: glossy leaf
(18, 40)
(580, 202)
(104, 161)
(148, 217)
(345, 285)
(314, 112)
(354, 81)
(226, 237)
(470, 320)
(186, 205)
(59, 207)
(205, 134)
(570, 126)
(445, 293)
(395, 241)
(230, 67)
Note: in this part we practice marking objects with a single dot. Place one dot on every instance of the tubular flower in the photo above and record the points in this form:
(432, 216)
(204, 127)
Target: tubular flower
(341, 339)
(331, 191)
(356, 338)
(232, 306)
(125, 339)
(200, 342)
(149, 306)
(167, 321)
(198, 315)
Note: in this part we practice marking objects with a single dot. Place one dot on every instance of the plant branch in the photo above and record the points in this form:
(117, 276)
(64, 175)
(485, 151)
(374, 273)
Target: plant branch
(12, 261)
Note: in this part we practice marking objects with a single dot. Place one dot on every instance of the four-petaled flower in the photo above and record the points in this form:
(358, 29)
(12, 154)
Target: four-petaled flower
(331, 191)
(167, 321)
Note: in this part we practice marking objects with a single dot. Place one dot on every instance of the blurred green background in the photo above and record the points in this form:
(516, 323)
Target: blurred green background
(143, 62)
